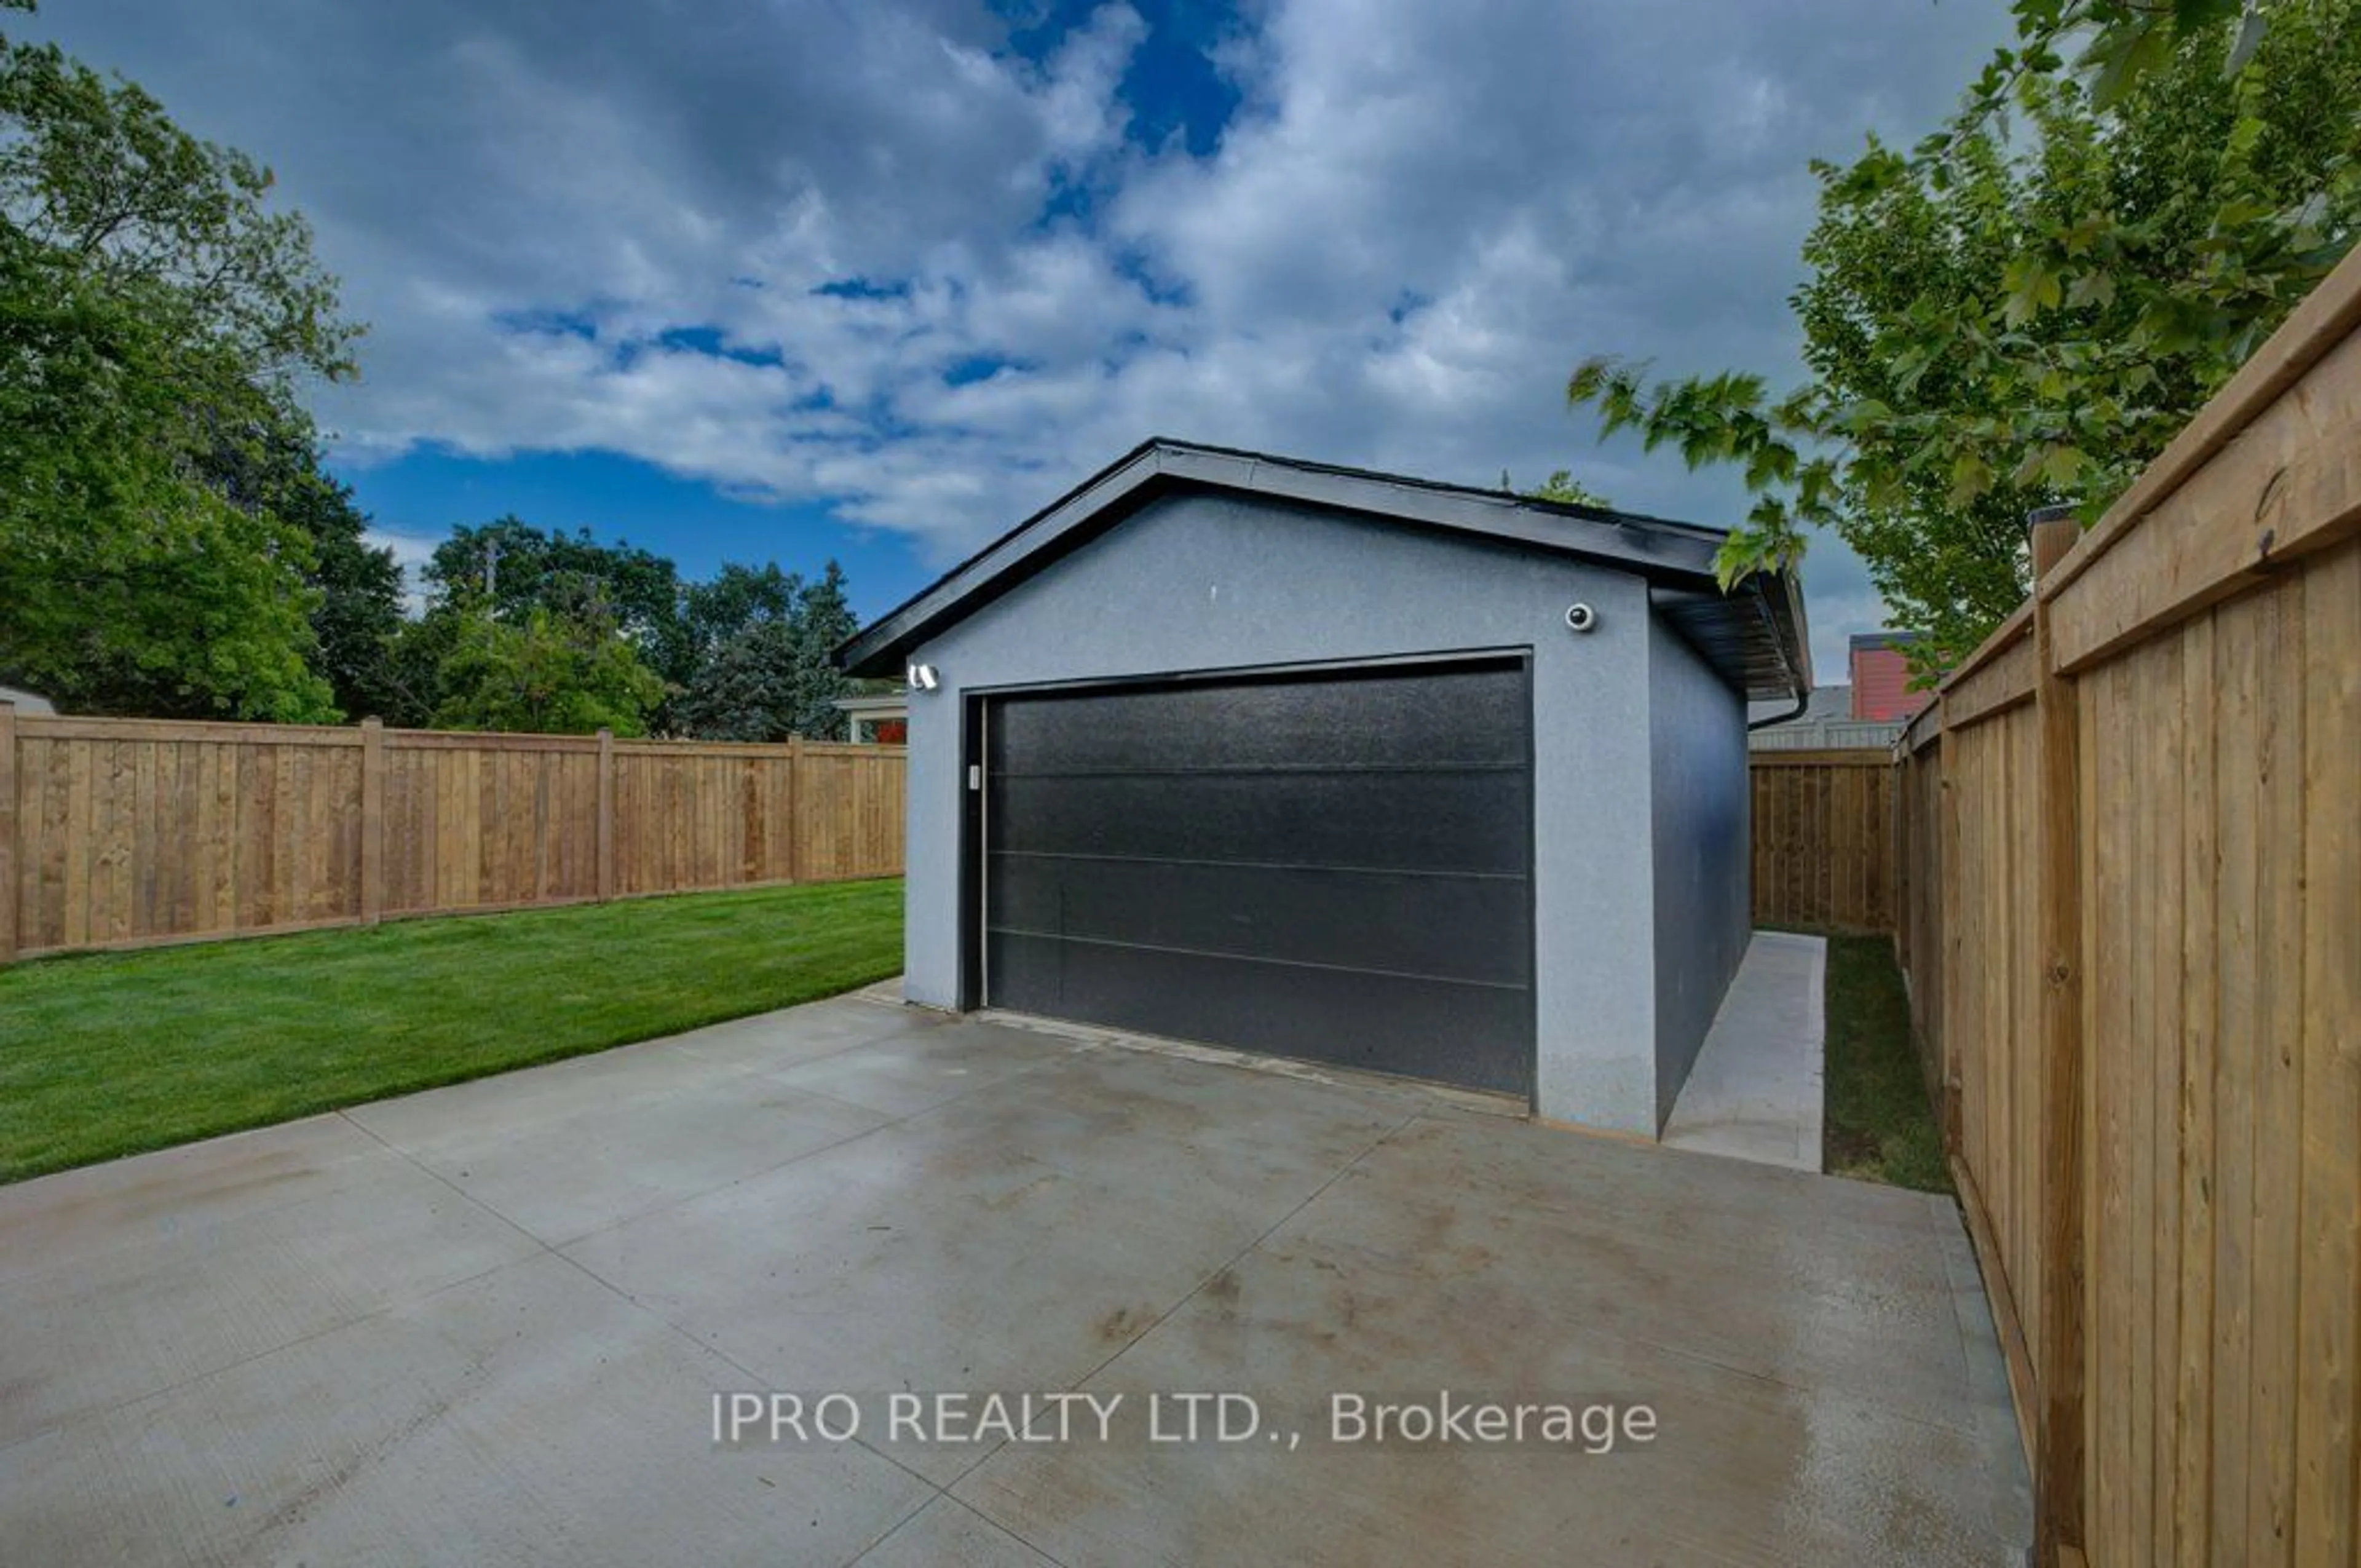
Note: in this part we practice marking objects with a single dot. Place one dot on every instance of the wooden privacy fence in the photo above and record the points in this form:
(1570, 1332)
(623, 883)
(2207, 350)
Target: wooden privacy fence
(118, 833)
(2131, 914)
(1823, 839)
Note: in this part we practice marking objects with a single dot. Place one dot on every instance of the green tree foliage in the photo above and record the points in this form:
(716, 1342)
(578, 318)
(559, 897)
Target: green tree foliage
(155, 319)
(768, 671)
(357, 608)
(745, 690)
(131, 586)
(543, 673)
(737, 597)
(413, 665)
(355, 587)
(2119, 43)
(2018, 316)
(825, 621)
(95, 167)
(537, 631)
(514, 568)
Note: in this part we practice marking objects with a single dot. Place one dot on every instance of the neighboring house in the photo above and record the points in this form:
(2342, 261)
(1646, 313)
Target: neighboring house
(1827, 724)
(881, 720)
(1341, 765)
(25, 701)
(1881, 678)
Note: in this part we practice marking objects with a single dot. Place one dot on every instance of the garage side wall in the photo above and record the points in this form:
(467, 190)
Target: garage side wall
(1699, 801)
(1199, 582)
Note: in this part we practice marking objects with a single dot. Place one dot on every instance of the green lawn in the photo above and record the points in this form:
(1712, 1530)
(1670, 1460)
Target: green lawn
(1879, 1125)
(104, 1055)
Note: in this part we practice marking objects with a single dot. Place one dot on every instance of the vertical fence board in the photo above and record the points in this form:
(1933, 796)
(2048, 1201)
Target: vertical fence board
(2193, 1403)
(82, 840)
(372, 822)
(2135, 956)
(2111, 1157)
(2160, 984)
(2329, 1310)
(219, 836)
(2236, 1021)
(2279, 957)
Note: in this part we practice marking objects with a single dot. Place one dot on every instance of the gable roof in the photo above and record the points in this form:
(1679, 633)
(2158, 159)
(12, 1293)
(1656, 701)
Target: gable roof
(1753, 635)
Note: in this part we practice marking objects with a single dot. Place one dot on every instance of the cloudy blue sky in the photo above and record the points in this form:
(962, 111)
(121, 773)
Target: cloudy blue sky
(873, 279)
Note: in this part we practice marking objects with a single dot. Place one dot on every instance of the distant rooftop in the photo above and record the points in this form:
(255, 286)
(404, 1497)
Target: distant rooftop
(1827, 723)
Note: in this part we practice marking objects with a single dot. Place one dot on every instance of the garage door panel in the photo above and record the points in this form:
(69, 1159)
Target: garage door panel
(1444, 925)
(1446, 819)
(1464, 715)
(1332, 866)
(1467, 1035)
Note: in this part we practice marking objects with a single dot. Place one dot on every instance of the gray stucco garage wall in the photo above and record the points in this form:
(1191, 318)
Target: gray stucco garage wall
(1701, 803)
(1197, 582)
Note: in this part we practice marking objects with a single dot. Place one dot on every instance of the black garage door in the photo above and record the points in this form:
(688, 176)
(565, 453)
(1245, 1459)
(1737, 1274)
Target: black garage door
(1332, 867)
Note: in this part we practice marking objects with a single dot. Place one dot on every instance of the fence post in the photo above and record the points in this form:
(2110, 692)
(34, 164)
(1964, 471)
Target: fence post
(606, 815)
(795, 809)
(372, 821)
(8, 892)
(2058, 1480)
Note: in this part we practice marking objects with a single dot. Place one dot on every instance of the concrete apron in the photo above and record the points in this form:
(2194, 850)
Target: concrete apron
(486, 1324)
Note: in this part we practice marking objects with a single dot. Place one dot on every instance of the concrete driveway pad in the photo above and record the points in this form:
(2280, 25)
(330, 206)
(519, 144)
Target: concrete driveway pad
(486, 1324)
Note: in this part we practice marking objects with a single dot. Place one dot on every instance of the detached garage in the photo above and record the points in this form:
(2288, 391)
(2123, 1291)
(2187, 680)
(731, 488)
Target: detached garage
(1344, 767)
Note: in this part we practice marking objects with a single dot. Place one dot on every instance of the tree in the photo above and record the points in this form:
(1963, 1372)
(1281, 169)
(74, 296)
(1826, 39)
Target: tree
(415, 656)
(824, 622)
(738, 596)
(2122, 43)
(358, 612)
(507, 573)
(545, 674)
(93, 167)
(742, 656)
(131, 588)
(1999, 321)
(515, 568)
(154, 321)
(774, 674)
(745, 689)
(355, 587)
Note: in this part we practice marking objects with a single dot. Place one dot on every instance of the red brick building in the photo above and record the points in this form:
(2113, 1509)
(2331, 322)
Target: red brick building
(1881, 678)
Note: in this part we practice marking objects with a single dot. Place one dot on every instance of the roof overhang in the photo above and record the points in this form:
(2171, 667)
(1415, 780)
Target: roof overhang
(1753, 635)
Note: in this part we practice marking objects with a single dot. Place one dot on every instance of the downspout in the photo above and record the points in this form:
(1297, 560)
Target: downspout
(1802, 693)
(1802, 703)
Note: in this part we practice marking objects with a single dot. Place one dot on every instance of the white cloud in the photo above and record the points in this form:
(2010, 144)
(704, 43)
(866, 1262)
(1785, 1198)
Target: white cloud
(1423, 213)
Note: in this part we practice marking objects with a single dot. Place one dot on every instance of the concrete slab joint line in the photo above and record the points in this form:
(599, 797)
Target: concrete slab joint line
(487, 1322)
